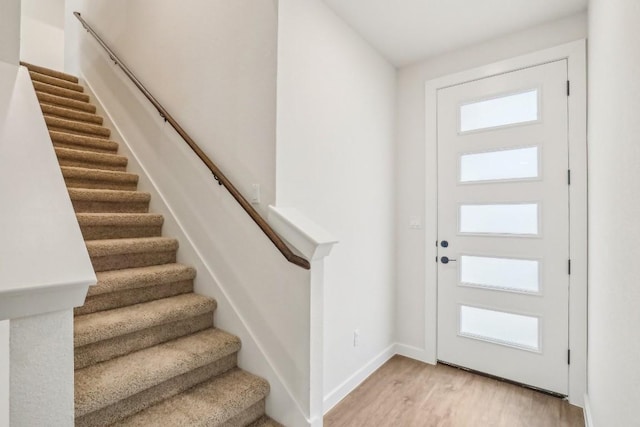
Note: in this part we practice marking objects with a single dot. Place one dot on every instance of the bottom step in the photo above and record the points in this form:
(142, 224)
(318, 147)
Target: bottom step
(235, 398)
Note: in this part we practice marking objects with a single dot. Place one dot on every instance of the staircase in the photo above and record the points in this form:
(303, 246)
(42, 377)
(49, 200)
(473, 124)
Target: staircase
(146, 350)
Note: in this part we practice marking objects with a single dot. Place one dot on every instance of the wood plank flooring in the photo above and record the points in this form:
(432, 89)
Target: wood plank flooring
(405, 392)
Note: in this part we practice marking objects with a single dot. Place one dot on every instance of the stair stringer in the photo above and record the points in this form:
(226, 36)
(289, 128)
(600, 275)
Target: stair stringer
(288, 401)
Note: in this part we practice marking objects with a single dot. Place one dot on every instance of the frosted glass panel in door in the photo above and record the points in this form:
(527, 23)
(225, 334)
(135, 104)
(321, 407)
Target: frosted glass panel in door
(521, 163)
(501, 111)
(499, 327)
(519, 219)
(520, 275)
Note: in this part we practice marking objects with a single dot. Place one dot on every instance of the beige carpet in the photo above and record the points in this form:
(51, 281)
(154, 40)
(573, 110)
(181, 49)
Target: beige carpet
(146, 350)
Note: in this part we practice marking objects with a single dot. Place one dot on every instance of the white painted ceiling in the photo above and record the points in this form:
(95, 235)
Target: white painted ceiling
(406, 31)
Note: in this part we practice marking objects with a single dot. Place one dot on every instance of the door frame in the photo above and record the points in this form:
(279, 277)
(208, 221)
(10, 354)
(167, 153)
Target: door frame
(575, 54)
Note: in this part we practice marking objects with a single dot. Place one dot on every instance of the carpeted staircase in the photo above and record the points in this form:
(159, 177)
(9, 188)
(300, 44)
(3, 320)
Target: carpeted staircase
(146, 350)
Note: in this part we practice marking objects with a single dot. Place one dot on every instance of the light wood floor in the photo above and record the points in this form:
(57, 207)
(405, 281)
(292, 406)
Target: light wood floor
(405, 392)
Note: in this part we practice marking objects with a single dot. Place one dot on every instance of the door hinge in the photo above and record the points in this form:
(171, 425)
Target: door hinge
(568, 357)
(569, 266)
(569, 176)
(568, 88)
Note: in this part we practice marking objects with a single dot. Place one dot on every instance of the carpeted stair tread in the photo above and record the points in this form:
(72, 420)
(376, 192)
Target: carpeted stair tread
(76, 126)
(130, 246)
(99, 200)
(76, 132)
(120, 345)
(95, 178)
(50, 72)
(118, 254)
(90, 159)
(82, 142)
(121, 288)
(60, 91)
(99, 226)
(94, 327)
(123, 219)
(104, 384)
(54, 81)
(122, 409)
(48, 98)
(69, 114)
(212, 403)
(133, 278)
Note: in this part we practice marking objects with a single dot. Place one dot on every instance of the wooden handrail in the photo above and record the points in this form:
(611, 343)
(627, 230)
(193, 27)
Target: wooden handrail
(217, 173)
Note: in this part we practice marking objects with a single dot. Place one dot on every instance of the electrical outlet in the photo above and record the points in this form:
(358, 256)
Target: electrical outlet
(415, 223)
(356, 338)
(255, 194)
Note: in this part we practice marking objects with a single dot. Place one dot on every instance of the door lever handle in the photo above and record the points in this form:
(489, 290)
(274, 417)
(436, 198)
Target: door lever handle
(447, 260)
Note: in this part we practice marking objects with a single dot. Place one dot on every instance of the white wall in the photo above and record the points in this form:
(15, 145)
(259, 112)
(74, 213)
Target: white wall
(212, 64)
(42, 33)
(414, 256)
(614, 206)
(336, 114)
(42, 370)
(4, 372)
(9, 31)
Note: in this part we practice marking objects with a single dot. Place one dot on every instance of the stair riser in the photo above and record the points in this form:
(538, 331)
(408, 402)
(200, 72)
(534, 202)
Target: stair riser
(118, 262)
(246, 417)
(133, 296)
(99, 232)
(77, 127)
(91, 165)
(67, 114)
(104, 185)
(64, 84)
(58, 91)
(66, 102)
(85, 147)
(78, 132)
(90, 206)
(119, 411)
(119, 346)
(50, 72)
(83, 141)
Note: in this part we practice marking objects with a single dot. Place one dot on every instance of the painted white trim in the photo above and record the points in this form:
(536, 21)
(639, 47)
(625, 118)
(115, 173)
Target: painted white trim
(53, 271)
(575, 54)
(334, 397)
(186, 243)
(309, 238)
(412, 353)
(588, 419)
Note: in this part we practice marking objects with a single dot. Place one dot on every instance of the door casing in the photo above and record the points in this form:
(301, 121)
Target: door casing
(575, 53)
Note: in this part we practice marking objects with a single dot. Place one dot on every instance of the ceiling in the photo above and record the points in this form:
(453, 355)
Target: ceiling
(406, 31)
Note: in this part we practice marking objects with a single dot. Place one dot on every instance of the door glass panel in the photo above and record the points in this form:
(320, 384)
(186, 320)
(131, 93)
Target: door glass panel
(499, 327)
(520, 163)
(520, 275)
(519, 219)
(502, 111)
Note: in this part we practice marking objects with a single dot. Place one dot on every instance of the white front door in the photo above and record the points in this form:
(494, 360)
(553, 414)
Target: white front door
(503, 226)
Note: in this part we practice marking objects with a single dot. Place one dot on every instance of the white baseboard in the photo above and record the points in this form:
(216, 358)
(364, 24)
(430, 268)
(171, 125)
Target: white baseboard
(332, 398)
(588, 421)
(414, 353)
